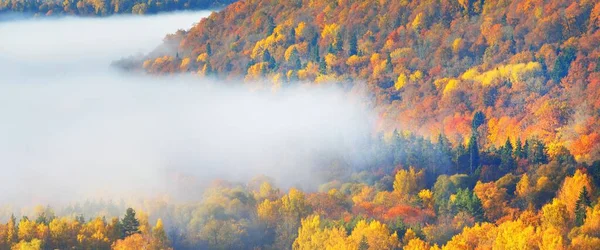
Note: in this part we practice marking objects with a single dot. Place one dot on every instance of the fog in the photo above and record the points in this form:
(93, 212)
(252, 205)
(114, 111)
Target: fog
(73, 128)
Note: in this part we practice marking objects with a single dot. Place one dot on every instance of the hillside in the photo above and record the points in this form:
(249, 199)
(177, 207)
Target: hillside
(104, 8)
(531, 66)
(487, 134)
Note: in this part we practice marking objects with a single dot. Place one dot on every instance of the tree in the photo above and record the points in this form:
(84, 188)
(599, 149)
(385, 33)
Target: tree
(268, 59)
(572, 187)
(562, 64)
(130, 224)
(159, 236)
(270, 25)
(537, 152)
(12, 233)
(555, 214)
(467, 201)
(208, 49)
(294, 60)
(408, 182)
(506, 156)
(352, 45)
(376, 233)
(581, 206)
(135, 241)
(518, 149)
(473, 153)
(478, 120)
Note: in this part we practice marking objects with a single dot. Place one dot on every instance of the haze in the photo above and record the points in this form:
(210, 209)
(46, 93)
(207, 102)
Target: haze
(74, 128)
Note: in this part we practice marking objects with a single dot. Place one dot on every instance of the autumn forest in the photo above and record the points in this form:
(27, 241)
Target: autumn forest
(485, 129)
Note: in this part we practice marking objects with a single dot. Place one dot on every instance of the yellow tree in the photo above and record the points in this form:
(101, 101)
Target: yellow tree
(27, 230)
(591, 226)
(408, 182)
(555, 215)
(376, 234)
(417, 244)
(62, 233)
(480, 236)
(159, 236)
(311, 235)
(93, 235)
(571, 188)
(515, 235)
(34, 244)
(134, 241)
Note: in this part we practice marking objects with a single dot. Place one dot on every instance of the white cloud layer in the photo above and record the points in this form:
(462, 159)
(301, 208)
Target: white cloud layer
(71, 127)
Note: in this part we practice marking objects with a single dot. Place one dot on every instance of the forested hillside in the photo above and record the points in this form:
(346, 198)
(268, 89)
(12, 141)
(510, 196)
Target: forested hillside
(532, 67)
(104, 7)
(487, 135)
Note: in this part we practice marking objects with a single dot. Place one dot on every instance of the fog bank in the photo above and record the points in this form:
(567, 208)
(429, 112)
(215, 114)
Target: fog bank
(74, 128)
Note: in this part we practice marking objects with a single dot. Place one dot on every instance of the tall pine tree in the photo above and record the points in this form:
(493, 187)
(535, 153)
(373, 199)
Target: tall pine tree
(130, 223)
(581, 206)
(473, 153)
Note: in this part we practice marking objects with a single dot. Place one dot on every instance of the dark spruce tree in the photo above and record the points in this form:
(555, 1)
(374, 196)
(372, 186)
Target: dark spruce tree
(473, 153)
(478, 120)
(507, 162)
(130, 223)
(580, 207)
(352, 45)
(518, 149)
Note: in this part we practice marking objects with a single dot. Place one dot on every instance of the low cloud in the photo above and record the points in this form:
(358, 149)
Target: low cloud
(72, 127)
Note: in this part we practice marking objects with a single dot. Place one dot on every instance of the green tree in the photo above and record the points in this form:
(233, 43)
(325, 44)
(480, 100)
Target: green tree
(518, 149)
(478, 120)
(294, 60)
(130, 224)
(506, 156)
(581, 206)
(352, 45)
(467, 201)
(473, 153)
(208, 49)
(562, 64)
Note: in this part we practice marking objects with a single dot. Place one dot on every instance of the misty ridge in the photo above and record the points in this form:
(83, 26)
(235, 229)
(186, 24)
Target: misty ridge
(73, 128)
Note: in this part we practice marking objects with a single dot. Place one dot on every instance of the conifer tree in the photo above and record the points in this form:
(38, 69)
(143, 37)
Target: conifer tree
(130, 223)
(581, 206)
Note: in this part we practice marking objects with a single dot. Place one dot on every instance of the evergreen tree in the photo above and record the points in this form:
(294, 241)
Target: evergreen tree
(208, 70)
(518, 149)
(562, 64)
(352, 45)
(581, 206)
(478, 120)
(208, 49)
(339, 42)
(506, 156)
(294, 60)
(291, 38)
(322, 66)
(467, 201)
(269, 59)
(473, 153)
(537, 153)
(525, 151)
(389, 67)
(12, 232)
(130, 223)
(270, 25)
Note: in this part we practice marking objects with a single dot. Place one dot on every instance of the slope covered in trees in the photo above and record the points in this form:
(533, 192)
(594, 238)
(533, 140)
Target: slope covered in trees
(531, 66)
(104, 7)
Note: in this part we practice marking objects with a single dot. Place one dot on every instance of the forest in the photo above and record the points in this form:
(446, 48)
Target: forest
(104, 7)
(487, 132)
